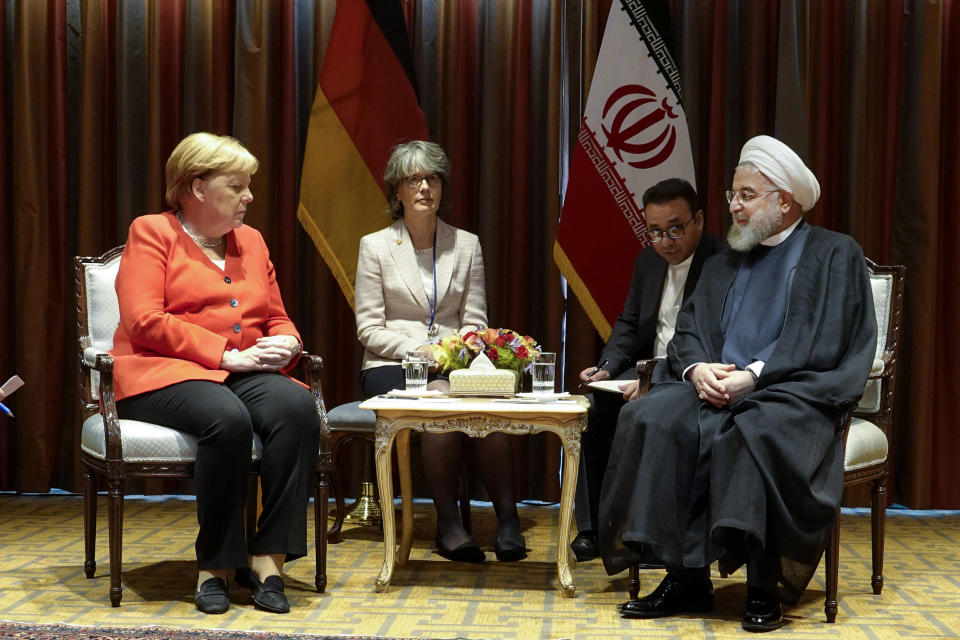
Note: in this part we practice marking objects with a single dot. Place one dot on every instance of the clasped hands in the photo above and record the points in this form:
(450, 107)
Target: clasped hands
(720, 385)
(270, 353)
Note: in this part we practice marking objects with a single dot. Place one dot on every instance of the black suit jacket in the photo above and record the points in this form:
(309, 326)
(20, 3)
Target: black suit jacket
(636, 327)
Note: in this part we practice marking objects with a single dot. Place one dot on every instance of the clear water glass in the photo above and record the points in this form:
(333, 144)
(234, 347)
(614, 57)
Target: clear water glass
(544, 372)
(415, 366)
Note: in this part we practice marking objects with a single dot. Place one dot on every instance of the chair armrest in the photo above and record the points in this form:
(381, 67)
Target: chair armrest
(882, 366)
(645, 373)
(90, 355)
(103, 363)
(309, 366)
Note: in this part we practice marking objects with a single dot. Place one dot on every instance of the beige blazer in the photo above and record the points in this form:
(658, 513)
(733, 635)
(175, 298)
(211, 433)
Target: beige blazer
(390, 303)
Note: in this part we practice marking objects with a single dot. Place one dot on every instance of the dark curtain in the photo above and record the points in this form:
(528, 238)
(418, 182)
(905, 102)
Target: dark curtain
(95, 94)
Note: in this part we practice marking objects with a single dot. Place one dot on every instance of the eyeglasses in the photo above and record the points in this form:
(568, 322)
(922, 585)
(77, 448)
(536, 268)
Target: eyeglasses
(674, 233)
(414, 182)
(746, 196)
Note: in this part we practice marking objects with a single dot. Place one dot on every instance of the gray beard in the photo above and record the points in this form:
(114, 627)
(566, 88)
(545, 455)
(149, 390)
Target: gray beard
(761, 226)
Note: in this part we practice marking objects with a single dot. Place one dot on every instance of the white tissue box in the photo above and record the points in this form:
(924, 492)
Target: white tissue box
(483, 382)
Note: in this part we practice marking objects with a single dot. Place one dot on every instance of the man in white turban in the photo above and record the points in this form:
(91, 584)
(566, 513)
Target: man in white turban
(734, 454)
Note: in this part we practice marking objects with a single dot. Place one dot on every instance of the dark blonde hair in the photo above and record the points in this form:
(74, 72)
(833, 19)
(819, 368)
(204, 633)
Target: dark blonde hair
(202, 153)
(410, 158)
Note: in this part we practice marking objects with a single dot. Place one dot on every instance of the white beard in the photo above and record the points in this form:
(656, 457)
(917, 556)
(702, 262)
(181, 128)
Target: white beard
(761, 226)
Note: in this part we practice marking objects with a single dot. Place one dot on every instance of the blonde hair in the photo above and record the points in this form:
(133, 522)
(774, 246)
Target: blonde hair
(201, 153)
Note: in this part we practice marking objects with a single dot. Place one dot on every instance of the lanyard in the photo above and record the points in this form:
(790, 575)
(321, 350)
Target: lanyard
(432, 328)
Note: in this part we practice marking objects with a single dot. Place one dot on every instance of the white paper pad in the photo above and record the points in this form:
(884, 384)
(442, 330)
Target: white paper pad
(610, 386)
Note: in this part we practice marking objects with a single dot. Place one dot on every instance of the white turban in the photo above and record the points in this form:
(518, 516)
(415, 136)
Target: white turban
(783, 167)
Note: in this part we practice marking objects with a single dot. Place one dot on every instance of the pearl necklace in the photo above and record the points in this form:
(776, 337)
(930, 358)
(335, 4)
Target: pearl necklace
(199, 240)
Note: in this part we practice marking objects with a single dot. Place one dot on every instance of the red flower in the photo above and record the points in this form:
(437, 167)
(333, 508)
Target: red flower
(501, 341)
(493, 354)
(522, 352)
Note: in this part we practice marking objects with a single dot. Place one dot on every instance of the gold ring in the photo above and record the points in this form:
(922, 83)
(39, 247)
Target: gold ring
(700, 395)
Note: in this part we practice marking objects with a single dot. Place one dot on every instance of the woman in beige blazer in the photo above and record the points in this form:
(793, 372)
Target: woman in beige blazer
(419, 279)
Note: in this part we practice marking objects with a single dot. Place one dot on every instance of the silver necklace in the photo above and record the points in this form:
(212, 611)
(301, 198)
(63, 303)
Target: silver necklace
(196, 238)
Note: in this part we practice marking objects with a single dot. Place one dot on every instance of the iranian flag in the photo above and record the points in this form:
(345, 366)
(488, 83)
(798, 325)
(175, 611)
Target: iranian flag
(633, 135)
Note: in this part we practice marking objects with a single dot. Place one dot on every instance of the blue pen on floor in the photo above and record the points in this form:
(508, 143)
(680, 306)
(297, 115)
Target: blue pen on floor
(6, 410)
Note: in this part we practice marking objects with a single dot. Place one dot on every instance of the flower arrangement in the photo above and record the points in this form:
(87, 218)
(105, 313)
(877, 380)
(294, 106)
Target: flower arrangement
(505, 348)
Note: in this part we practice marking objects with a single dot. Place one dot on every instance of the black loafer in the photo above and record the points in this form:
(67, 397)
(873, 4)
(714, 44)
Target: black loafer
(671, 597)
(466, 552)
(508, 551)
(585, 546)
(762, 612)
(267, 595)
(212, 597)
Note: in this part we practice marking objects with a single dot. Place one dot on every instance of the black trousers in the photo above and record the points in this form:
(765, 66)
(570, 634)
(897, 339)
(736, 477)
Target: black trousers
(595, 445)
(224, 417)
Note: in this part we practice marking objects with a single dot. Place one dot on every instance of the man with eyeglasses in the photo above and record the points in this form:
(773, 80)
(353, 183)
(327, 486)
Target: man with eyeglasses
(664, 276)
(734, 454)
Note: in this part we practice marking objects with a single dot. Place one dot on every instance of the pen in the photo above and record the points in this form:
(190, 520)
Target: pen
(600, 365)
(6, 410)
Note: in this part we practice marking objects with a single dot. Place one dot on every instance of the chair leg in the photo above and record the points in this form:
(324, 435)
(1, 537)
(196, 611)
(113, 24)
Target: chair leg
(333, 533)
(320, 512)
(878, 519)
(89, 522)
(634, 587)
(115, 526)
(832, 568)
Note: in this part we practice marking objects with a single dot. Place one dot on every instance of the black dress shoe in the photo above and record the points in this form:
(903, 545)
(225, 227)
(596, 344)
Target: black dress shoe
(762, 612)
(510, 550)
(212, 597)
(466, 552)
(585, 546)
(267, 595)
(672, 596)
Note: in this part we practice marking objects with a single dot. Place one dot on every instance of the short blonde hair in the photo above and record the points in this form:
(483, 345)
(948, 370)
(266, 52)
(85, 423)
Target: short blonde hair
(201, 153)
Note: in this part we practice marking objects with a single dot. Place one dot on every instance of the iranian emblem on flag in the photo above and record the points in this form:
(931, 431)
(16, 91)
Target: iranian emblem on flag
(633, 135)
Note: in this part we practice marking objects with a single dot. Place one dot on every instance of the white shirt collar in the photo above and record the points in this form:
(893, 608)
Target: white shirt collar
(777, 238)
(682, 265)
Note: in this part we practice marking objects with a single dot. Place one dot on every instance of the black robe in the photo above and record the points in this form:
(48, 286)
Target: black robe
(689, 483)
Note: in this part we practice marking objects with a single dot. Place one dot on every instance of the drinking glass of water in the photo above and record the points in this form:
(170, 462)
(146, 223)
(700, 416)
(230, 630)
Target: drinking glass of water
(544, 372)
(415, 365)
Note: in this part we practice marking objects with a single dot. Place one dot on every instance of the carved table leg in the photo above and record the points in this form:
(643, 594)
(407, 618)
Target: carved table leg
(571, 463)
(406, 496)
(385, 482)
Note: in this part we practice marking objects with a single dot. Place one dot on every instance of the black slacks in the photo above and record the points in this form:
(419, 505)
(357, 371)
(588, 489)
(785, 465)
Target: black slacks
(224, 418)
(595, 445)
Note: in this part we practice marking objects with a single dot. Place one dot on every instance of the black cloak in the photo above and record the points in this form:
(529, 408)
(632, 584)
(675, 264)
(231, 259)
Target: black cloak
(688, 483)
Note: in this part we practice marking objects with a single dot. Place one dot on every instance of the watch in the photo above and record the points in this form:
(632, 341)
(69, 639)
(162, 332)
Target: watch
(753, 375)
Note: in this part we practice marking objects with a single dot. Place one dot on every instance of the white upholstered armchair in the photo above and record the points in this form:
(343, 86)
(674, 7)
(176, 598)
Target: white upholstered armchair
(119, 449)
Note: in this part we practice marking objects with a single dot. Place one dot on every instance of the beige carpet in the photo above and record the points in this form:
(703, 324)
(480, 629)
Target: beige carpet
(42, 580)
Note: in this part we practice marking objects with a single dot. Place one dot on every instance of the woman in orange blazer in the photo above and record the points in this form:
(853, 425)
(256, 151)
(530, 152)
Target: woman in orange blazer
(203, 346)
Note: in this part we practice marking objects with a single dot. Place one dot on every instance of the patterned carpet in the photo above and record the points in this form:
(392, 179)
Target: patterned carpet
(42, 583)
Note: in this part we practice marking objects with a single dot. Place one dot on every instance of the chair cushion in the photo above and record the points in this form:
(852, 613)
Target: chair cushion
(146, 442)
(103, 310)
(882, 287)
(350, 417)
(866, 445)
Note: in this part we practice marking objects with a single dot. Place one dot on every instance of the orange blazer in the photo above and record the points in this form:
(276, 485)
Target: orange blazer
(179, 311)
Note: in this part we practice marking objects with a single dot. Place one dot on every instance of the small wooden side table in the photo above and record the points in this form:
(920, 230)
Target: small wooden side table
(476, 417)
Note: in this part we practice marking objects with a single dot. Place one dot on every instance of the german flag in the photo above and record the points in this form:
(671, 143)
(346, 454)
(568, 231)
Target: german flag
(366, 103)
